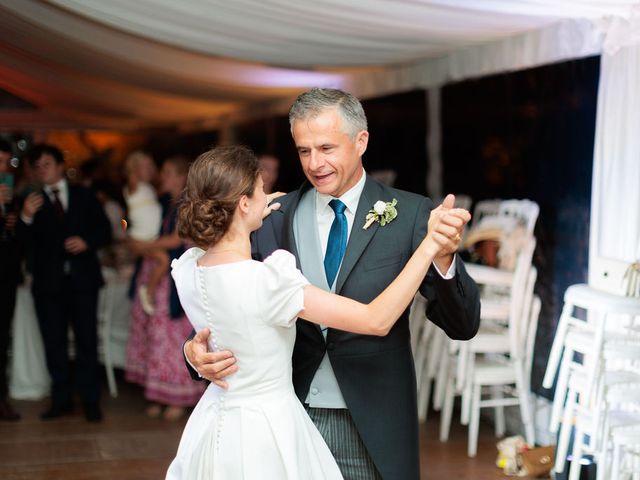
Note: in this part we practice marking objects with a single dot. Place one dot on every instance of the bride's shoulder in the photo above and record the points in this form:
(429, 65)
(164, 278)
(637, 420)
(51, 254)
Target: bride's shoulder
(188, 258)
(280, 259)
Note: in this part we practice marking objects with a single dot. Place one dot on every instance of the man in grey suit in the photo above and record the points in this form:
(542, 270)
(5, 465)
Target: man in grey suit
(359, 390)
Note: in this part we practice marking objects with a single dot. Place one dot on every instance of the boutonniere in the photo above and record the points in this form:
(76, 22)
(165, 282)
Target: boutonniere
(382, 213)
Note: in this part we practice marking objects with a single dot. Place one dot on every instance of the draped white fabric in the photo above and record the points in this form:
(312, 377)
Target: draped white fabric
(203, 63)
(332, 32)
(615, 201)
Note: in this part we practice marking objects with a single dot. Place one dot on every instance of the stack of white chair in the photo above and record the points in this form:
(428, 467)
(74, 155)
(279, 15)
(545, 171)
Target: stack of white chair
(595, 391)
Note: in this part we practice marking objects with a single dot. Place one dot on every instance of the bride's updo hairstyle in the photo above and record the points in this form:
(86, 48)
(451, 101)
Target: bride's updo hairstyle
(216, 182)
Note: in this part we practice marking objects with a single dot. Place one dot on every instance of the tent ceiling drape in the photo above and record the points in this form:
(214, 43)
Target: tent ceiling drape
(123, 64)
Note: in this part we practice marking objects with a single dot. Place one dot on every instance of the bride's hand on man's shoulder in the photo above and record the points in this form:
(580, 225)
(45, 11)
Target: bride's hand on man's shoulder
(272, 206)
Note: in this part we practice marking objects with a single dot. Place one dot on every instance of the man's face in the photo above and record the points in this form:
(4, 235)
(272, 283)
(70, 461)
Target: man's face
(48, 171)
(330, 159)
(5, 158)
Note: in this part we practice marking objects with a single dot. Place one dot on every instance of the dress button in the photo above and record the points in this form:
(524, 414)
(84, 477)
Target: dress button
(314, 391)
(331, 346)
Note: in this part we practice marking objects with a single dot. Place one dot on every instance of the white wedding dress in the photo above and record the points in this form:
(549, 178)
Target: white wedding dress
(257, 429)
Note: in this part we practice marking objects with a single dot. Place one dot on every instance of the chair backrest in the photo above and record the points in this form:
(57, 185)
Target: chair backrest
(485, 208)
(524, 210)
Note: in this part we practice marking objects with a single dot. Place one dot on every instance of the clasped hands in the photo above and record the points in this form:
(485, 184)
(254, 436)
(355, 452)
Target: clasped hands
(446, 225)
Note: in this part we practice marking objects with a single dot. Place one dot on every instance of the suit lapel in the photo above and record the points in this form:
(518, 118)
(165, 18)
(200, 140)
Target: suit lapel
(359, 238)
(289, 244)
(288, 237)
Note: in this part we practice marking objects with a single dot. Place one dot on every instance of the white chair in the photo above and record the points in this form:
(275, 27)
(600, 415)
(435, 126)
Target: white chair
(498, 313)
(114, 310)
(498, 371)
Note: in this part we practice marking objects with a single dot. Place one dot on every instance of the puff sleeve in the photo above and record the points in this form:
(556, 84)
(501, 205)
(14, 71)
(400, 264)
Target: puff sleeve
(282, 289)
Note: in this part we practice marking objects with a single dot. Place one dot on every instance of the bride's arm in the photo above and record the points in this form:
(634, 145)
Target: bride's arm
(377, 317)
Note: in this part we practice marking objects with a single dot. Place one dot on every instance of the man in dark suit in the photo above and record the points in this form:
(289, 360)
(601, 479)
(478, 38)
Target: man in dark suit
(63, 226)
(359, 390)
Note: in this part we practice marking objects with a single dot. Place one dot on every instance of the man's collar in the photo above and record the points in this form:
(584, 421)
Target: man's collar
(60, 185)
(350, 198)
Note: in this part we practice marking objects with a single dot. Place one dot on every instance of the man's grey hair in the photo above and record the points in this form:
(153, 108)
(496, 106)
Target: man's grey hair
(312, 103)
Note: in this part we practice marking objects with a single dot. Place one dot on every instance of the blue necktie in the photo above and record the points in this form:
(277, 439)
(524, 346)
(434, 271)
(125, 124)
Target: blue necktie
(337, 243)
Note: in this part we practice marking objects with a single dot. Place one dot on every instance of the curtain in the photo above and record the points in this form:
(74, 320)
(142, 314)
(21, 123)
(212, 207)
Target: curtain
(615, 204)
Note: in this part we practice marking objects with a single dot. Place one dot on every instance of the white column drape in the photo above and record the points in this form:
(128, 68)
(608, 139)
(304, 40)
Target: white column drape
(615, 200)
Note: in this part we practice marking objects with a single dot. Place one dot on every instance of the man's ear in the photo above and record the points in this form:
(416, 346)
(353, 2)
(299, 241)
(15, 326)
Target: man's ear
(362, 140)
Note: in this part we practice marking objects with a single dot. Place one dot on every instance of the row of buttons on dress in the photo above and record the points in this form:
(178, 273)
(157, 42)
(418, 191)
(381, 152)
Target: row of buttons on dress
(219, 407)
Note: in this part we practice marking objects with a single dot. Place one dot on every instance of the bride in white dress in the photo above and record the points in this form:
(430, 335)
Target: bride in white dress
(257, 428)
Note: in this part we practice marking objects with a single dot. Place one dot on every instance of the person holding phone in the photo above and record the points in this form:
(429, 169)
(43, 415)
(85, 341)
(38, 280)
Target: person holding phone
(64, 225)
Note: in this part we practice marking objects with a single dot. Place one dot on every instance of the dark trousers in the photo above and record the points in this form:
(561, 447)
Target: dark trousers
(9, 278)
(57, 310)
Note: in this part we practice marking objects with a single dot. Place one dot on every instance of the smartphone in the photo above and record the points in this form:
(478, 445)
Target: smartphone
(7, 180)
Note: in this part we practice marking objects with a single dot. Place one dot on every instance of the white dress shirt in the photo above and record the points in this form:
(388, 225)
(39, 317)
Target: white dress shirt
(63, 192)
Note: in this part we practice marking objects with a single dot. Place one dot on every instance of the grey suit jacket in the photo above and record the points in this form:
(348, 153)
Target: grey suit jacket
(376, 374)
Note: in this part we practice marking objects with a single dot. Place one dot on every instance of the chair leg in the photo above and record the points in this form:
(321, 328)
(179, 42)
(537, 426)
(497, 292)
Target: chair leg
(561, 391)
(496, 393)
(565, 433)
(111, 379)
(604, 465)
(615, 462)
(474, 423)
(467, 393)
(526, 411)
(105, 332)
(578, 444)
(447, 411)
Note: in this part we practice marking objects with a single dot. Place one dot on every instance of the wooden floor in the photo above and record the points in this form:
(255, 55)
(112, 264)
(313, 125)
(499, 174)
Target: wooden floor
(130, 446)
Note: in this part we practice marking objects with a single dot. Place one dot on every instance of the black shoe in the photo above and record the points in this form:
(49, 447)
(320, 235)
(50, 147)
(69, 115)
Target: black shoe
(92, 412)
(7, 413)
(57, 411)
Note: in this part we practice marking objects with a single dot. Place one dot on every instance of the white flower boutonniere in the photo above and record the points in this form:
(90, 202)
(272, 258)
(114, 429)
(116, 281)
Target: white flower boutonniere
(382, 213)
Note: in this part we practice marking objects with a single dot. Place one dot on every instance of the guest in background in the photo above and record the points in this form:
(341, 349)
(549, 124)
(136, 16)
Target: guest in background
(269, 168)
(9, 273)
(154, 350)
(117, 254)
(64, 226)
(145, 215)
